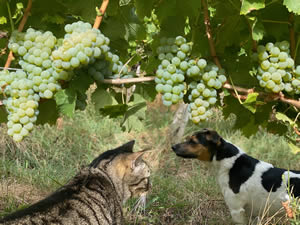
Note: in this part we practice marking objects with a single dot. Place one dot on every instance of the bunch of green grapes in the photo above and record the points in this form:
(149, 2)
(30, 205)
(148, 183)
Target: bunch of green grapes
(203, 90)
(276, 68)
(80, 45)
(21, 102)
(35, 48)
(178, 74)
(170, 74)
(45, 60)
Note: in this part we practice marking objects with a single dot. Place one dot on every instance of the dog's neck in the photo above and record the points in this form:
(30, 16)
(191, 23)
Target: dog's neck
(225, 154)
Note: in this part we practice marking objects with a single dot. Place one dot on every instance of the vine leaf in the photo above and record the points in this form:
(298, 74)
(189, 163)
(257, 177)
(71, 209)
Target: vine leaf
(114, 111)
(294, 149)
(251, 102)
(250, 5)
(285, 118)
(48, 112)
(258, 30)
(101, 98)
(143, 8)
(292, 6)
(66, 101)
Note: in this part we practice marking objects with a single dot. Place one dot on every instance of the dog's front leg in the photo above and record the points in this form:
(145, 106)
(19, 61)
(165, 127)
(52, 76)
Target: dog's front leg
(236, 207)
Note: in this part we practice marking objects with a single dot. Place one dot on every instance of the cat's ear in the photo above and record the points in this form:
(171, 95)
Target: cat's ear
(128, 147)
(138, 158)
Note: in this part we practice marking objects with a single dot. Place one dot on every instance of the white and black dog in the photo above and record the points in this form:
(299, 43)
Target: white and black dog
(247, 184)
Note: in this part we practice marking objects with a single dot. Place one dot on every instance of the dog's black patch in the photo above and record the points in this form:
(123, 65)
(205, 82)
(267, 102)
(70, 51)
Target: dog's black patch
(295, 186)
(272, 179)
(225, 150)
(241, 171)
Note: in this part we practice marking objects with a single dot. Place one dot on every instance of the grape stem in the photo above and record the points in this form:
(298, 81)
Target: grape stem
(102, 11)
(292, 35)
(10, 17)
(209, 35)
(20, 28)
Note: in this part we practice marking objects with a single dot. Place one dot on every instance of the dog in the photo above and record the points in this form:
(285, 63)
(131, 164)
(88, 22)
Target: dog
(247, 184)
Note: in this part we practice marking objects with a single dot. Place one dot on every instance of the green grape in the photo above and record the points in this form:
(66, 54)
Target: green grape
(275, 51)
(202, 63)
(171, 68)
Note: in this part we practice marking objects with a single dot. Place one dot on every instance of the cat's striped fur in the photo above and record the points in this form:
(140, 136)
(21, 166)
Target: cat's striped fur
(95, 195)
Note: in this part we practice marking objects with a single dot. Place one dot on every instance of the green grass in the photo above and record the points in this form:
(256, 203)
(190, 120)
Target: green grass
(184, 191)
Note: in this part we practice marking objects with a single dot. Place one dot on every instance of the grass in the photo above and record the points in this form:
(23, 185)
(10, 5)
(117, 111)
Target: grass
(184, 191)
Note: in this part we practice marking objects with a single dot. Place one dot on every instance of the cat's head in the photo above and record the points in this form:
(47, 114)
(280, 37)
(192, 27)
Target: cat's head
(129, 172)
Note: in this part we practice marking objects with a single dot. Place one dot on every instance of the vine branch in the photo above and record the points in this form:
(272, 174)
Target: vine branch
(101, 11)
(20, 28)
(208, 34)
(128, 80)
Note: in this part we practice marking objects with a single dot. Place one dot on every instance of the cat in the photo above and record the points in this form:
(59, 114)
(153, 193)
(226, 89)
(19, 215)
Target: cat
(95, 195)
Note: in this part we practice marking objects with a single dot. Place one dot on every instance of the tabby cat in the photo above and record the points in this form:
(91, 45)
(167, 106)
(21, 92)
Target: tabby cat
(95, 195)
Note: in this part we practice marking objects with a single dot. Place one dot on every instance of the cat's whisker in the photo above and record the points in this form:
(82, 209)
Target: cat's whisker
(140, 205)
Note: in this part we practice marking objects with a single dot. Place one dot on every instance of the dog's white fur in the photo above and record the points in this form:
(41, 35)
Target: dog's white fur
(252, 197)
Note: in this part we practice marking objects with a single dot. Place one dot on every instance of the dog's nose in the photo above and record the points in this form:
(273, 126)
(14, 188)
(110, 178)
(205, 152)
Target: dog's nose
(174, 147)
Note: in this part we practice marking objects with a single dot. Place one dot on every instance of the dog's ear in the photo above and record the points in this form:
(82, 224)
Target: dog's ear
(213, 137)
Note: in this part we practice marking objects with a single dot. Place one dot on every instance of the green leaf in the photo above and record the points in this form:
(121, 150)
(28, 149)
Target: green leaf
(114, 111)
(66, 101)
(133, 123)
(3, 20)
(146, 90)
(276, 128)
(251, 98)
(251, 102)
(258, 30)
(101, 98)
(143, 8)
(294, 148)
(250, 5)
(48, 112)
(81, 83)
(133, 111)
(292, 6)
(285, 118)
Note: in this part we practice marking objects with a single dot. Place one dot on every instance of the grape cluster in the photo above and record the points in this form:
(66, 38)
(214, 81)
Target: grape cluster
(80, 45)
(35, 48)
(179, 74)
(170, 74)
(203, 94)
(45, 61)
(21, 104)
(276, 70)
